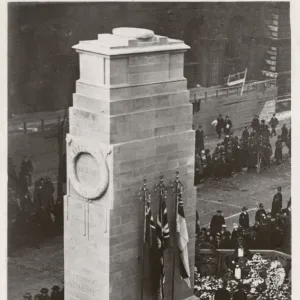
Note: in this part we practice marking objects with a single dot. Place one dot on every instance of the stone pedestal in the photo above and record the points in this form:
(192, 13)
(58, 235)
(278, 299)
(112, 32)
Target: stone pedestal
(131, 119)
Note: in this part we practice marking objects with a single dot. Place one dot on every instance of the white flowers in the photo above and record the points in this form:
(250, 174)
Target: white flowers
(265, 279)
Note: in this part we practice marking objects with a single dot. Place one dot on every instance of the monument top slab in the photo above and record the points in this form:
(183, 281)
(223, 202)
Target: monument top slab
(129, 40)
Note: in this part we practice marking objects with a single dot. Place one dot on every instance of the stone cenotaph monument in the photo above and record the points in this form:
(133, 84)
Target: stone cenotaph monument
(131, 119)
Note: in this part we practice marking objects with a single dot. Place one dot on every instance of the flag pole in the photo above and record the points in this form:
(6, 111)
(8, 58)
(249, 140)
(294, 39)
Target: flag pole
(176, 186)
(143, 195)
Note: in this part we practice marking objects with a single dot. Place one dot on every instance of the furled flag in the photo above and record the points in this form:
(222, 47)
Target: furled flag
(153, 263)
(163, 236)
(182, 240)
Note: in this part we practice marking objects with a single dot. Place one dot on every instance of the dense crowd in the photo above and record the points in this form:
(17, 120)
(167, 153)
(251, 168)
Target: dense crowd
(31, 219)
(252, 150)
(56, 294)
(271, 229)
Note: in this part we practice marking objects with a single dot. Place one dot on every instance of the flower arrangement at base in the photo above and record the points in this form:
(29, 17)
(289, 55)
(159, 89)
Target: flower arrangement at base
(263, 280)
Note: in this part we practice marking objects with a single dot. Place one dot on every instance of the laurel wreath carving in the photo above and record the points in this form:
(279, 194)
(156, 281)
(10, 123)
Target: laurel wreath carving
(92, 193)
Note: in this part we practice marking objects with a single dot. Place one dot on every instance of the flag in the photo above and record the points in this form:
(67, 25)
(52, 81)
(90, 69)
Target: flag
(151, 253)
(182, 241)
(163, 236)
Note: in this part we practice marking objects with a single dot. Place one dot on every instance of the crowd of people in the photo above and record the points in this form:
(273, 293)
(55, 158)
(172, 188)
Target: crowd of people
(252, 150)
(31, 218)
(56, 294)
(271, 229)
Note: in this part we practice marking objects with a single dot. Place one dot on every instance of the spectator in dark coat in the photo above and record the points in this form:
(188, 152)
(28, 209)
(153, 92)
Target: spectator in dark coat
(220, 125)
(216, 223)
(260, 215)
(245, 134)
(244, 218)
(277, 203)
(273, 123)
(55, 294)
(239, 294)
(27, 296)
(222, 293)
(227, 125)
(255, 123)
(284, 134)
(12, 175)
(278, 150)
(27, 168)
(44, 294)
(199, 139)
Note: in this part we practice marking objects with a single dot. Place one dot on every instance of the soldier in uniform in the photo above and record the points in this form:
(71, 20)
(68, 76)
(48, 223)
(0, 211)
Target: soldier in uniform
(220, 125)
(273, 123)
(278, 150)
(227, 125)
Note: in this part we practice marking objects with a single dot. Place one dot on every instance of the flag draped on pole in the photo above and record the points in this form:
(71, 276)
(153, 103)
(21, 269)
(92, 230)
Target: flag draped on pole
(182, 240)
(163, 236)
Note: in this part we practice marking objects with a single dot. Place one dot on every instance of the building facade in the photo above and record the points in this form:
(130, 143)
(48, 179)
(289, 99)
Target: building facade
(225, 38)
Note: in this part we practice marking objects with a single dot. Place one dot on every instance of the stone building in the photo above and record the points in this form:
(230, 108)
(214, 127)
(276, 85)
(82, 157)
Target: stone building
(224, 38)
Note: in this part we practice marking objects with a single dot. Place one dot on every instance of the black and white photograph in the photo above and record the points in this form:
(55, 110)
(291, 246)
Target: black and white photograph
(149, 151)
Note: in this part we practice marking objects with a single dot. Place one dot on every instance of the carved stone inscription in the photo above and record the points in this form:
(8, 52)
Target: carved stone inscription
(81, 285)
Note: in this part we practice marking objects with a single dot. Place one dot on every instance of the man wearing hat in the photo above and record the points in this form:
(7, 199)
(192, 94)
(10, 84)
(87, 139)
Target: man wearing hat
(27, 296)
(255, 123)
(220, 125)
(284, 134)
(55, 294)
(277, 203)
(244, 218)
(216, 223)
(273, 123)
(228, 125)
(44, 294)
(260, 215)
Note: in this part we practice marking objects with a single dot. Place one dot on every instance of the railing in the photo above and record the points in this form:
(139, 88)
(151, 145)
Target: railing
(28, 124)
(215, 92)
